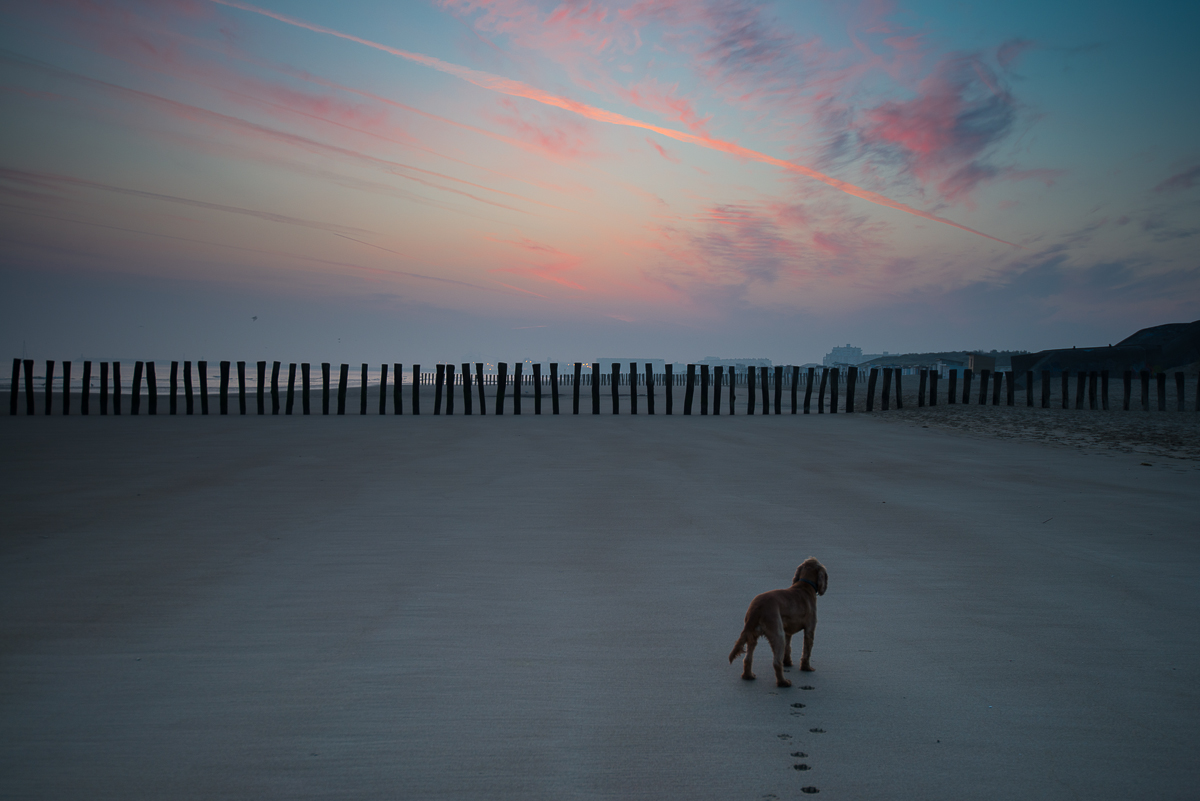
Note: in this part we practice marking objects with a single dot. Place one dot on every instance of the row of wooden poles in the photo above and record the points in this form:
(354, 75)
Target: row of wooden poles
(1094, 383)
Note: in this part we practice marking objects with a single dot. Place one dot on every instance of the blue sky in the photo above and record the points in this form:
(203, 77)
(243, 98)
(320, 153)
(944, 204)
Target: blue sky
(427, 181)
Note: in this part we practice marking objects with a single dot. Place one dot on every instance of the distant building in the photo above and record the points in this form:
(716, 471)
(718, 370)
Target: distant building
(980, 361)
(843, 355)
(741, 361)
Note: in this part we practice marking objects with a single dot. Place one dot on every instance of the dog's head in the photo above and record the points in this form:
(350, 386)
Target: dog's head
(812, 571)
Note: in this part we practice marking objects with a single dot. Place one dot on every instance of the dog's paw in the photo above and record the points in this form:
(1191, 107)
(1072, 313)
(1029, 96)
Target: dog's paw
(783, 683)
(808, 668)
(748, 676)
(787, 663)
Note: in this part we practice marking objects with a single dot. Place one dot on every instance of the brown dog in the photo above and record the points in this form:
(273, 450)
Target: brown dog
(779, 614)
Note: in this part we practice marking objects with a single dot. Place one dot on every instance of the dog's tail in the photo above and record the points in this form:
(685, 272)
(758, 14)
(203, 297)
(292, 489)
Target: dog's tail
(752, 618)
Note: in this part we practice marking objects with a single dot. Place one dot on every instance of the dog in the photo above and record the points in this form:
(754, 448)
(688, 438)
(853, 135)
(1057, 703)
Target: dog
(779, 614)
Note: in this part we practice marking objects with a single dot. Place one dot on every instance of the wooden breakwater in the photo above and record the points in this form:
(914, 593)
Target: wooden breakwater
(699, 389)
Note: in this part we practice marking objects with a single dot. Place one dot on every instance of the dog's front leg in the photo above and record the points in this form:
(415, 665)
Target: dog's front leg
(808, 644)
(787, 651)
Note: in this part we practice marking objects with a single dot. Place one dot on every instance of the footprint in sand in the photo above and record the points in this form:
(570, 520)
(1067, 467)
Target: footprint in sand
(801, 766)
(808, 687)
(817, 731)
(799, 754)
(810, 789)
(784, 736)
(798, 705)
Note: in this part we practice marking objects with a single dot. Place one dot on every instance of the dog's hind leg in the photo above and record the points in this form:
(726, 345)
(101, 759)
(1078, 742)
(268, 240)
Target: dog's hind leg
(787, 650)
(751, 642)
(775, 636)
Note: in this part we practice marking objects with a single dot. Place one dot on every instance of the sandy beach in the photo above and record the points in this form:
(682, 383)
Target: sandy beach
(452, 607)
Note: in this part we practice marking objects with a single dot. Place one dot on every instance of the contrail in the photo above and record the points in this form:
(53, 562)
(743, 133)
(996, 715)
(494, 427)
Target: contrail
(513, 88)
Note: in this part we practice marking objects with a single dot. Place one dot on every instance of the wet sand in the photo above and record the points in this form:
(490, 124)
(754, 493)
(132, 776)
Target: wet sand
(452, 607)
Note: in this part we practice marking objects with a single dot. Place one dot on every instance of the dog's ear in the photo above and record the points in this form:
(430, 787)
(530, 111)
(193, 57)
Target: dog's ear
(796, 578)
(822, 580)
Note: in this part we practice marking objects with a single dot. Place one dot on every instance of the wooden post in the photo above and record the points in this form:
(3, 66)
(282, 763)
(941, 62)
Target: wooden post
(537, 388)
(554, 387)
(1178, 389)
(466, 385)
(764, 375)
(835, 381)
(779, 389)
(383, 383)
(808, 388)
(1160, 385)
(135, 402)
(615, 383)
(1029, 388)
(595, 388)
(501, 385)
(633, 385)
(731, 377)
(921, 382)
(151, 386)
(887, 388)
(1080, 386)
(450, 388)
(821, 390)
(968, 374)
(984, 377)
(343, 380)
(997, 379)
(690, 389)
(1145, 390)
(1104, 390)
(224, 398)
(851, 381)
(1128, 381)
(751, 379)
(116, 388)
(188, 403)
(1045, 389)
(29, 404)
(202, 372)
(362, 390)
(398, 388)
(668, 384)
(933, 381)
(575, 386)
(241, 368)
(49, 390)
(1010, 387)
(796, 385)
(479, 384)
(290, 406)
(718, 385)
(704, 382)
(649, 388)
(262, 388)
(952, 387)
(305, 386)
(899, 372)
(14, 386)
(1093, 380)
(324, 387)
(85, 391)
(66, 390)
(518, 385)
(438, 380)
(1065, 381)
(275, 387)
(103, 387)
(416, 389)
(518, 381)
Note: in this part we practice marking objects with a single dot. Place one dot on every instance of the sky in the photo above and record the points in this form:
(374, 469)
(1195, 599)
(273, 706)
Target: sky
(501, 180)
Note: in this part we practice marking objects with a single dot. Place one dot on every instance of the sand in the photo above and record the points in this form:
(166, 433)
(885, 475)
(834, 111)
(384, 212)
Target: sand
(527, 607)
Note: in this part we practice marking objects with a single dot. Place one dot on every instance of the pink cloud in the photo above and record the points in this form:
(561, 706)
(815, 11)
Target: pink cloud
(663, 151)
